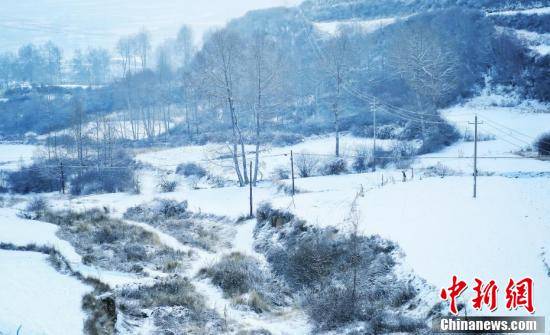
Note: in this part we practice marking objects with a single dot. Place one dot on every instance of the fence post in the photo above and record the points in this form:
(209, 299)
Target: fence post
(62, 178)
(250, 187)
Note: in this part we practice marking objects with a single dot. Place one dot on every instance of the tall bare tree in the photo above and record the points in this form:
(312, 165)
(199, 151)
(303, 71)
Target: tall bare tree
(218, 63)
(337, 59)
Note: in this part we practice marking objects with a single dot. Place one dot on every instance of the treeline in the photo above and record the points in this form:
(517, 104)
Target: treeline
(45, 65)
(271, 77)
(324, 10)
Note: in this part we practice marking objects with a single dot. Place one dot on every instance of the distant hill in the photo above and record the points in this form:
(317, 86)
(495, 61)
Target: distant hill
(326, 10)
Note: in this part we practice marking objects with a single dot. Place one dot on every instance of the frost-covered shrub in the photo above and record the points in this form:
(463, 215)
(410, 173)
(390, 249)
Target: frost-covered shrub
(438, 136)
(167, 186)
(402, 154)
(191, 169)
(36, 207)
(276, 217)
(340, 278)
(216, 181)
(334, 166)
(440, 170)
(286, 188)
(94, 181)
(481, 137)
(114, 244)
(281, 172)
(285, 138)
(158, 209)
(306, 164)
(243, 279)
(235, 274)
(173, 218)
(172, 305)
(35, 178)
(361, 159)
(543, 145)
(172, 291)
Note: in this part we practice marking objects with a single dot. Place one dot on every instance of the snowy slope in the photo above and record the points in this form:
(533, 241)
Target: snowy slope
(540, 43)
(37, 298)
(270, 159)
(368, 26)
(530, 11)
(514, 127)
(13, 155)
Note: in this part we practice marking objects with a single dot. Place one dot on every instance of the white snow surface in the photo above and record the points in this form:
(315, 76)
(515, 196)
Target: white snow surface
(440, 228)
(368, 26)
(514, 126)
(12, 156)
(271, 157)
(540, 43)
(37, 298)
(530, 11)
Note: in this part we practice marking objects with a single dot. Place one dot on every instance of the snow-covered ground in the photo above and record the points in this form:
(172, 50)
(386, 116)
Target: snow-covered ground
(216, 157)
(440, 228)
(540, 43)
(368, 26)
(36, 299)
(13, 155)
(513, 128)
(530, 11)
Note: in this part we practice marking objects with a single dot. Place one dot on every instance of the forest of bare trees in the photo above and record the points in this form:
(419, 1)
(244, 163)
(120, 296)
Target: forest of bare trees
(259, 84)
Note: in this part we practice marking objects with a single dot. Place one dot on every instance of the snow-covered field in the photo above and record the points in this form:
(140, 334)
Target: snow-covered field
(441, 229)
(530, 11)
(217, 156)
(368, 26)
(13, 155)
(36, 299)
(510, 130)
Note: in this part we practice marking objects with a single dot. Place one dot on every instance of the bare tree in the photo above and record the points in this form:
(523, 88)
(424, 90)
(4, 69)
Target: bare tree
(98, 61)
(184, 46)
(426, 66)
(337, 60)
(142, 47)
(218, 63)
(124, 49)
(53, 57)
(78, 125)
(264, 72)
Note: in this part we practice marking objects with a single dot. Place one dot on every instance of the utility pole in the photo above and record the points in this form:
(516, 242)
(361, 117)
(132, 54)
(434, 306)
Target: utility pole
(62, 178)
(475, 154)
(374, 134)
(292, 170)
(250, 187)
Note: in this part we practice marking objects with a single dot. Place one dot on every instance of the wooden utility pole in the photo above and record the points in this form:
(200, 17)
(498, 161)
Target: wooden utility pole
(475, 155)
(62, 178)
(374, 134)
(292, 170)
(250, 187)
